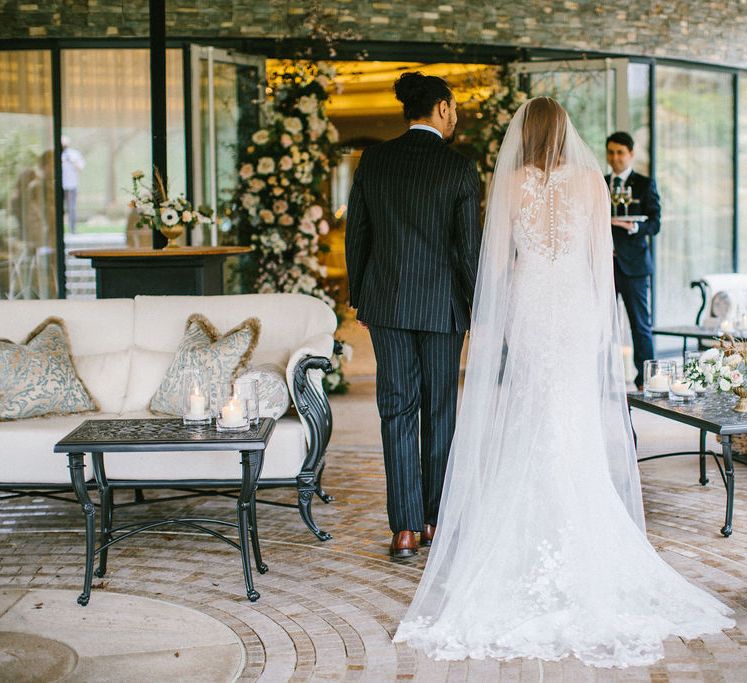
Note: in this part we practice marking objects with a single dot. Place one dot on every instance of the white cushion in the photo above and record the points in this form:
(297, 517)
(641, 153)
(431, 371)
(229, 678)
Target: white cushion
(98, 326)
(27, 449)
(147, 369)
(283, 458)
(105, 376)
(733, 284)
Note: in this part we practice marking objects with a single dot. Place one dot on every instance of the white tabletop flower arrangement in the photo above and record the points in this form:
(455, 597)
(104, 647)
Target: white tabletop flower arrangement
(722, 369)
(170, 216)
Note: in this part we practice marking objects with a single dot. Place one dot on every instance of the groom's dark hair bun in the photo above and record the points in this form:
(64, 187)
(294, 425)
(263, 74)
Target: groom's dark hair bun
(420, 93)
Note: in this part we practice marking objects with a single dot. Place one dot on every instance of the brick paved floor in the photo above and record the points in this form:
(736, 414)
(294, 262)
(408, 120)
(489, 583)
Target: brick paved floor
(328, 610)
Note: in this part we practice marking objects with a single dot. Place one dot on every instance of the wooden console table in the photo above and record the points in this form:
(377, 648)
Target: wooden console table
(125, 273)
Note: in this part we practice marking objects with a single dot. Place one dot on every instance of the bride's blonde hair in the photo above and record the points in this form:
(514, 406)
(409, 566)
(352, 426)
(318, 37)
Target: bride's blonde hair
(543, 133)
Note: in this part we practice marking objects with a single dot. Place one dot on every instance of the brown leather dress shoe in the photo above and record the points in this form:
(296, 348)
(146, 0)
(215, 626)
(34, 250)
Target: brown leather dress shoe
(426, 535)
(403, 545)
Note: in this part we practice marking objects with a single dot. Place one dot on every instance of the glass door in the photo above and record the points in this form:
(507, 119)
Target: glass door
(226, 93)
(593, 91)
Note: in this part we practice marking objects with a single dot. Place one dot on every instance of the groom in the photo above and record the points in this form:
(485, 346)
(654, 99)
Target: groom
(412, 246)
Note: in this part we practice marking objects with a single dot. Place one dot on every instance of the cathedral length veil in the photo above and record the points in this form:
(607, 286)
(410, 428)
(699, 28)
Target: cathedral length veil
(540, 548)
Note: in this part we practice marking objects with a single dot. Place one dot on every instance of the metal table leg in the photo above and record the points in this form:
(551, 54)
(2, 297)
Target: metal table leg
(703, 477)
(76, 465)
(729, 467)
(107, 511)
(251, 466)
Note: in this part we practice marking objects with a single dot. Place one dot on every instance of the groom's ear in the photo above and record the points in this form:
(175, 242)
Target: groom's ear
(443, 109)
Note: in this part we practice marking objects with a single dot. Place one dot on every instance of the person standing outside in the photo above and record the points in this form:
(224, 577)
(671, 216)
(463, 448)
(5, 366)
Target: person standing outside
(72, 164)
(412, 246)
(633, 264)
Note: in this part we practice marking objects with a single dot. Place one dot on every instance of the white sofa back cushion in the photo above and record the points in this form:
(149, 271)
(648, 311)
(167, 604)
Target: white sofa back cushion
(100, 332)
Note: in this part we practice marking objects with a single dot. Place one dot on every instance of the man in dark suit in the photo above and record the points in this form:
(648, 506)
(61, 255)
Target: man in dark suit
(412, 247)
(633, 263)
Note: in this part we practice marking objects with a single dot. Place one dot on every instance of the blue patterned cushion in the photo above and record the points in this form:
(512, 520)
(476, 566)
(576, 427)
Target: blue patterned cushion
(274, 397)
(224, 358)
(38, 377)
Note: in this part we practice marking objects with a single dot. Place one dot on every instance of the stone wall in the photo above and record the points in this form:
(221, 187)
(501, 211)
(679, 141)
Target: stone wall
(702, 30)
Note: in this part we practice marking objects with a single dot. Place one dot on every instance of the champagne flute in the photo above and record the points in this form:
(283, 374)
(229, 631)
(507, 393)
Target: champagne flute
(616, 197)
(626, 198)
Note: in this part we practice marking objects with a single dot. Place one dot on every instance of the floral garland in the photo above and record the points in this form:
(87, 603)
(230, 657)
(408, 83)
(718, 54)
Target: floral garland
(282, 186)
(494, 112)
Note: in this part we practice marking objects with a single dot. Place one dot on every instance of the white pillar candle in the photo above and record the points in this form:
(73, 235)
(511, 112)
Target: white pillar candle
(196, 404)
(232, 413)
(659, 382)
(681, 388)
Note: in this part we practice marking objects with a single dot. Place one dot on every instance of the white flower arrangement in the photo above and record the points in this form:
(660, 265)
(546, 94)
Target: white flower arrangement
(170, 212)
(717, 369)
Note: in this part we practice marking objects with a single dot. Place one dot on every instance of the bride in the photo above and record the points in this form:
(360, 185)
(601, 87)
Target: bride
(540, 549)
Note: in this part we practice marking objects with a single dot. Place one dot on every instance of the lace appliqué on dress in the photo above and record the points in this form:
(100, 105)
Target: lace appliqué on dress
(546, 218)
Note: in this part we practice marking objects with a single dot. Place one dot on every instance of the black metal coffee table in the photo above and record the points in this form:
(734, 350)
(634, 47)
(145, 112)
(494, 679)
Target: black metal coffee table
(709, 413)
(122, 436)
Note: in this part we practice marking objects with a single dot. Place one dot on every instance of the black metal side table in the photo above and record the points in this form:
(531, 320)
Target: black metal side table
(710, 413)
(127, 436)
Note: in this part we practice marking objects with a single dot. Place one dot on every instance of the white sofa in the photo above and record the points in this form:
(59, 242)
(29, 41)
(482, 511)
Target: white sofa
(123, 347)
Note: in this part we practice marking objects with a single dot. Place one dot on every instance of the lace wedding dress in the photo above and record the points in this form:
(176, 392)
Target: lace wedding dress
(540, 548)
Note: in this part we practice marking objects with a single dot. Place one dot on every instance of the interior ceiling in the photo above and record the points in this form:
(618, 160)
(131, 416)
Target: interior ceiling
(366, 86)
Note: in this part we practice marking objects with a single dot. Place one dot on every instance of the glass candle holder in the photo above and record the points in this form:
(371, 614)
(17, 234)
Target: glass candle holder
(657, 377)
(231, 408)
(681, 389)
(196, 405)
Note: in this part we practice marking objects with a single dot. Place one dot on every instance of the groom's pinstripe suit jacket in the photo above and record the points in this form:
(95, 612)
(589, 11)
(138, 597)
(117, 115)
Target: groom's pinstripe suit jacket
(413, 235)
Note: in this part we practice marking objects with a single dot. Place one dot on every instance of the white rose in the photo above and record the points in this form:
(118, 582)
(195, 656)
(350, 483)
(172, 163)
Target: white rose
(306, 226)
(293, 125)
(323, 227)
(332, 134)
(315, 212)
(733, 360)
(736, 378)
(187, 217)
(277, 191)
(286, 140)
(267, 216)
(307, 104)
(256, 185)
(323, 81)
(261, 137)
(280, 206)
(265, 166)
(249, 201)
(246, 171)
(285, 163)
(286, 219)
(708, 375)
(724, 384)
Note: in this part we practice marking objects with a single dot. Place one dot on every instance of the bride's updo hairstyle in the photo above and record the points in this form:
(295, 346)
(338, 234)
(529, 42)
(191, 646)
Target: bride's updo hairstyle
(543, 133)
(420, 93)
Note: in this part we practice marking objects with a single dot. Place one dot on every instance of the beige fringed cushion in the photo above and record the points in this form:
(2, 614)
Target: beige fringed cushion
(223, 357)
(38, 377)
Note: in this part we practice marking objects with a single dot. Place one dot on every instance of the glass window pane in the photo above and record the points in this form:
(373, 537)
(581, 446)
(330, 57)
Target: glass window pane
(106, 125)
(742, 173)
(27, 185)
(588, 96)
(694, 133)
(176, 152)
(640, 115)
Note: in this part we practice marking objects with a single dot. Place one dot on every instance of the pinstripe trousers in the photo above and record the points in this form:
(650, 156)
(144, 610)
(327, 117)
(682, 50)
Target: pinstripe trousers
(416, 373)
